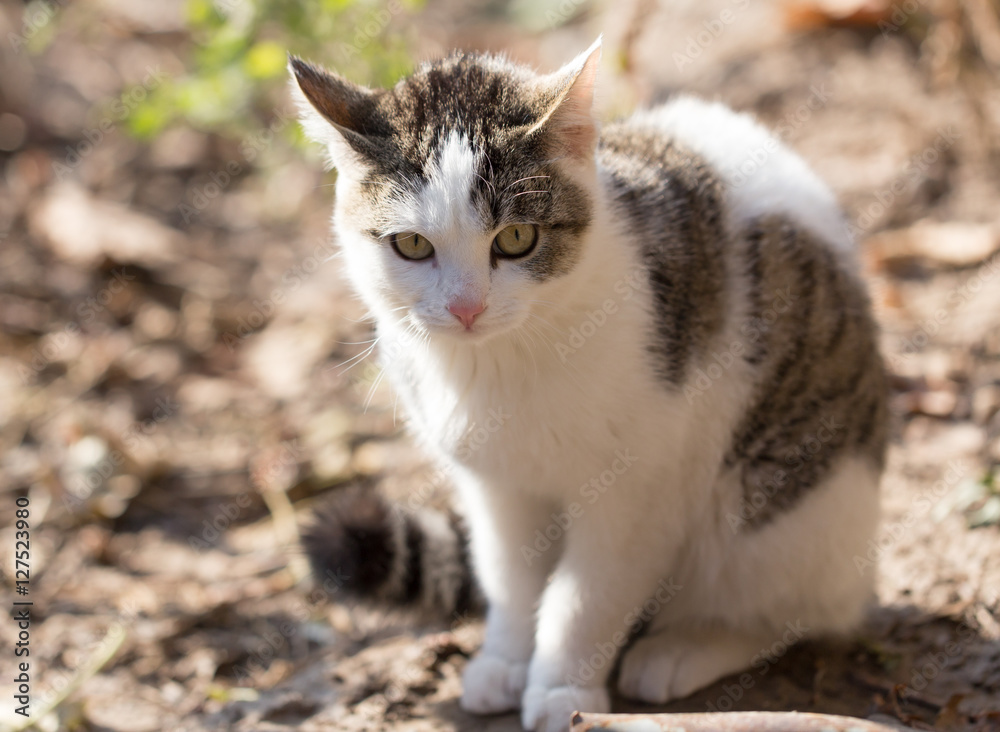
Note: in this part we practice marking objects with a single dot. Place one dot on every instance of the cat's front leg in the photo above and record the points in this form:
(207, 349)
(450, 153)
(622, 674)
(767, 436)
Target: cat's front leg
(615, 559)
(502, 528)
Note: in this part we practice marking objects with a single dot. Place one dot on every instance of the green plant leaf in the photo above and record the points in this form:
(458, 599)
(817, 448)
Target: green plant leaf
(265, 60)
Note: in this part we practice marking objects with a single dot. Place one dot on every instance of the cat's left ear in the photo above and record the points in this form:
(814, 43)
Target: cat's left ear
(568, 121)
(337, 113)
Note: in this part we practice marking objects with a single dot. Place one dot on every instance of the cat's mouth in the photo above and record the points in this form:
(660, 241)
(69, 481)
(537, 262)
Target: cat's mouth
(476, 332)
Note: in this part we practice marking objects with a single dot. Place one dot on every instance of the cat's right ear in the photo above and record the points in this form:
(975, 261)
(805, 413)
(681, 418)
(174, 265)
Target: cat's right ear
(336, 113)
(568, 122)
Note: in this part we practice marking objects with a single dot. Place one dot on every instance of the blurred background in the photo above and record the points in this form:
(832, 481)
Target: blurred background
(183, 373)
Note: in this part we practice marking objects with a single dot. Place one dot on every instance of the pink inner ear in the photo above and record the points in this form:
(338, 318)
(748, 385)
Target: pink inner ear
(578, 137)
(570, 122)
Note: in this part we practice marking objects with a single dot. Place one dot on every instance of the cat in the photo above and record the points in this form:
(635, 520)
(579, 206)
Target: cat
(643, 353)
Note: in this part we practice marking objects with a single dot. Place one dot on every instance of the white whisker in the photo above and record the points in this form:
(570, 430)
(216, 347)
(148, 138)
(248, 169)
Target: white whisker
(478, 175)
(521, 180)
(362, 356)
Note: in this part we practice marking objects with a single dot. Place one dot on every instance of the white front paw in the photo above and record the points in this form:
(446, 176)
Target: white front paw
(667, 666)
(549, 709)
(491, 684)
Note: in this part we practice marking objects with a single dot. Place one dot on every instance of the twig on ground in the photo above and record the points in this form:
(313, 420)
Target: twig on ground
(725, 722)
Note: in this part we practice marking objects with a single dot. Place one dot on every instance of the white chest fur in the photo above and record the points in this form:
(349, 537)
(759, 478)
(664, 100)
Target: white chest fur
(550, 413)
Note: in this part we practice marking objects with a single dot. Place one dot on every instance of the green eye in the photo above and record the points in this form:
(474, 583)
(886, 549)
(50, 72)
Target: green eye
(409, 245)
(516, 240)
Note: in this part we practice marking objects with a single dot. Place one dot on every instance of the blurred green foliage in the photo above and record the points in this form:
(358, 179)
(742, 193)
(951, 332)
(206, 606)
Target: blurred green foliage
(236, 73)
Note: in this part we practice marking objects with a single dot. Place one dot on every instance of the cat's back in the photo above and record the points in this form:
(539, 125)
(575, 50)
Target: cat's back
(694, 144)
(752, 271)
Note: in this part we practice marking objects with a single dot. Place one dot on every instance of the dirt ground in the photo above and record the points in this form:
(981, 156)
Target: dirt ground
(174, 397)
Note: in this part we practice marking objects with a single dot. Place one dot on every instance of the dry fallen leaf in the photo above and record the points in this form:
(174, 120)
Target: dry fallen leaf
(810, 14)
(953, 243)
(82, 229)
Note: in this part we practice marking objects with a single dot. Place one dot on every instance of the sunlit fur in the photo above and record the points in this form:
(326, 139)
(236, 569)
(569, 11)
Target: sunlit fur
(669, 260)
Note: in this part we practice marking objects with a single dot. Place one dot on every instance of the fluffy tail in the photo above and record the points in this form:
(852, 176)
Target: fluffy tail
(386, 555)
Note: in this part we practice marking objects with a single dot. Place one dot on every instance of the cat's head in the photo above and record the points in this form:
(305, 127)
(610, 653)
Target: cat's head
(465, 192)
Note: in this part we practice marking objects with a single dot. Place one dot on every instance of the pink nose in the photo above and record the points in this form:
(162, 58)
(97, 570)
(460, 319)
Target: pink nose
(466, 311)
